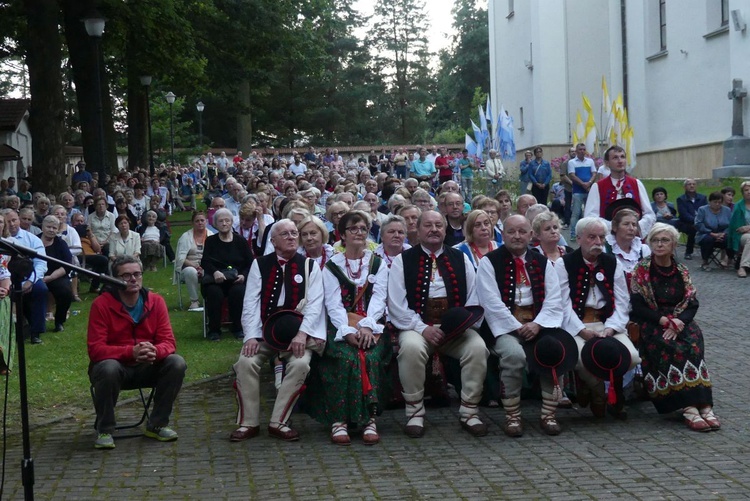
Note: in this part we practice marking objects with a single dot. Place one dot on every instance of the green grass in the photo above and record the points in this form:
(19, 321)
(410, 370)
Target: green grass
(57, 377)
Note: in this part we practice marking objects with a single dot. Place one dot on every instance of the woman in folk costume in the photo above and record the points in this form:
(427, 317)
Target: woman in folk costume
(671, 345)
(347, 385)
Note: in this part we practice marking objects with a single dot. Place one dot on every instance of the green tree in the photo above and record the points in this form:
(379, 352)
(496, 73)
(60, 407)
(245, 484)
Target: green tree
(402, 57)
(463, 68)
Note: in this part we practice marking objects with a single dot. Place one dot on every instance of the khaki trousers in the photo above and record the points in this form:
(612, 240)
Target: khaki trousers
(469, 349)
(247, 384)
(509, 350)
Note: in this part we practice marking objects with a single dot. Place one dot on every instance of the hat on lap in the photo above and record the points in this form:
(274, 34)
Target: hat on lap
(455, 321)
(553, 352)
(606, 358)
(281, 327)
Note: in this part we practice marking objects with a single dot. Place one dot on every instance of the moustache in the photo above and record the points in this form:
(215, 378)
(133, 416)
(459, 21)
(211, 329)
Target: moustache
(595, 248)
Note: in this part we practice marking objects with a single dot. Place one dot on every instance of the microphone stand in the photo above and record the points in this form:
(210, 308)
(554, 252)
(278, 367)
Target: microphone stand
(21, 267)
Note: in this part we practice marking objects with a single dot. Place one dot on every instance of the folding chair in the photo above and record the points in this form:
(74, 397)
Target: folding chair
(177, 279)
(145, 401)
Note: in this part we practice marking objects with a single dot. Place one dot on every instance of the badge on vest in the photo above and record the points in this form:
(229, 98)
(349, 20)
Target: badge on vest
(600, 276)
(298, 278)
(371, 279)
(628, 195)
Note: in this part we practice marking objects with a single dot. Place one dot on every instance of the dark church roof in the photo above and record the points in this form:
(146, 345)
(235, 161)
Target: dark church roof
(12, 112)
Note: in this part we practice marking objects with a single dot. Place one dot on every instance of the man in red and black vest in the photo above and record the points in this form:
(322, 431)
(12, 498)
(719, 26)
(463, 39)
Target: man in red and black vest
(596, 304)
(424, 282)
(278, 281)
(616, 186)
(520, 293)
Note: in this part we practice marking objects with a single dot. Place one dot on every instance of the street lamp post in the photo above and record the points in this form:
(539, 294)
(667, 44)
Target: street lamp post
(146, 82)
(95, 28)
(170, 97)
(200, 107)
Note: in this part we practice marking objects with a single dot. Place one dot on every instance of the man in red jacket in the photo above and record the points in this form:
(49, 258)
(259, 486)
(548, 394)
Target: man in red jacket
(131, 345)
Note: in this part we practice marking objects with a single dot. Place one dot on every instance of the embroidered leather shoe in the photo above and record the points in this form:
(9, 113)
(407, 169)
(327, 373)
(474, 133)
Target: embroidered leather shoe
(283, 432)
(244, 433)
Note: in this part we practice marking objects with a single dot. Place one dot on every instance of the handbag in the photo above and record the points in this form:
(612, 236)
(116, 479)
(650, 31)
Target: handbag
(230, 274)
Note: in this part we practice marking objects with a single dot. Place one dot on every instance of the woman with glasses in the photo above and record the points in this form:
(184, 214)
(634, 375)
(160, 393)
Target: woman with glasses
(347, 387)
(226, 261)
(56, 278)
(664, 304)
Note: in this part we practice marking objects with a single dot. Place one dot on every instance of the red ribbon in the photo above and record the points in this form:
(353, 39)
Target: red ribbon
(366, 385)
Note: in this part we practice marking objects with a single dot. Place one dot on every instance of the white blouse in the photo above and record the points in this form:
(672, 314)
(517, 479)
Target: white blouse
(335, 306)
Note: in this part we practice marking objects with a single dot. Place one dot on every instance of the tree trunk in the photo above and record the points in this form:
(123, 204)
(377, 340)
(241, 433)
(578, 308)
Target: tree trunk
(137, 102)
(244, 117)
(47, 114)
(83, 61)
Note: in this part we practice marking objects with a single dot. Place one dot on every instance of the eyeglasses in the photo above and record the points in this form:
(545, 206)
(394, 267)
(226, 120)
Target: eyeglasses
(357, 230)
(661, 241)
(130, 276)
(287, 234)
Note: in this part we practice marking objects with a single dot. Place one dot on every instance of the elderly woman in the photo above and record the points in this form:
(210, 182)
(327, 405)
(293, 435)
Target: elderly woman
(312, 237)
(624, 242)
(739, 230)
(479, 236)
(671, 345)
(56, 278)
(350, 374)
(41, 210)
(124, 241)
(70, 236)
(422, 199)
(492, 208)
(334, 213)
(546, 228)
(310, 196)
(225, 253)
(151, 238)
(712, 227)
(102, 223)
(252, 226)
(373, 204)
(91, 250)
(188, 257)
(392, 239)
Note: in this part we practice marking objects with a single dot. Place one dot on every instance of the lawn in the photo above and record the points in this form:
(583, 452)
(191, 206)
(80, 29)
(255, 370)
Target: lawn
(58, 384)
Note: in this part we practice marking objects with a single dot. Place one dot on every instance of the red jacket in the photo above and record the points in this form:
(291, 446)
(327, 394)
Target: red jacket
(112, 332)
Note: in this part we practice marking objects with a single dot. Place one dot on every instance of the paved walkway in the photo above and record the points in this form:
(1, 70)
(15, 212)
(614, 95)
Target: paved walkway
(647, 457)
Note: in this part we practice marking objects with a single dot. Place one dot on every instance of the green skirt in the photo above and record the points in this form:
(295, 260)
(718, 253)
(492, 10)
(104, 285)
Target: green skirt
(335, 391)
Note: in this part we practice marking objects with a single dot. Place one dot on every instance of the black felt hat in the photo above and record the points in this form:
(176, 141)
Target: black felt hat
(281, 327)
(553, 352)
(455, 321)
(606, 358)
(623, 203)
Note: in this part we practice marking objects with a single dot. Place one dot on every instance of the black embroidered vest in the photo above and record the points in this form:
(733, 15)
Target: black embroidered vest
(580, 278)
(271, 276)
(349, 289)
(505, 275)
(417, 270)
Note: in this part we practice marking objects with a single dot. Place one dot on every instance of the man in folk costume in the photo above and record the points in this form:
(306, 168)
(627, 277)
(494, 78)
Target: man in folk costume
(284, 280)
(596, 304)
(520, 293)
(425, 281)
(616, 186)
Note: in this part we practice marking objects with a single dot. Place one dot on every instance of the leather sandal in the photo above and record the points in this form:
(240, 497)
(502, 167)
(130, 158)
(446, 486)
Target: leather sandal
(370, 433)
(513, 426)
(283, 432)
(550, 426)
(244, 433)
(695, 422)
(707, 413)
(340, 434)
(474, 426)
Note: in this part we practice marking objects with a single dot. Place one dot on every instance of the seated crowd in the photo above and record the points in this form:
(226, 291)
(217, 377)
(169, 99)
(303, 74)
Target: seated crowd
(343, 275)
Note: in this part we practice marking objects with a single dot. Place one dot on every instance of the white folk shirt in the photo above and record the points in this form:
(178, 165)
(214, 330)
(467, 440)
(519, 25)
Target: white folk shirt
(499, 318)
(404, 318)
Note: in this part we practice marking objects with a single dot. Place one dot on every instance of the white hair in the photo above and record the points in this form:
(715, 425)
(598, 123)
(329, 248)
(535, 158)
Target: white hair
(584, 224)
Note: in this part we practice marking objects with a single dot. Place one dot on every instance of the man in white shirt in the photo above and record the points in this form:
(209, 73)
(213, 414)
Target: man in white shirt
(520, 293)
(282, 280)
(495, 174)
(34, 288)
(424, 282)
(582, 173)
(298, 168)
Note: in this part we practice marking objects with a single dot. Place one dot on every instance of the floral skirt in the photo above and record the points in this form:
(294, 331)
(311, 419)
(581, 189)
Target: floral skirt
(335, 391)
(674, 372)
(151, 248)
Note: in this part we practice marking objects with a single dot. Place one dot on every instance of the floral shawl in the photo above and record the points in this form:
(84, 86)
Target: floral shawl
(641, 285)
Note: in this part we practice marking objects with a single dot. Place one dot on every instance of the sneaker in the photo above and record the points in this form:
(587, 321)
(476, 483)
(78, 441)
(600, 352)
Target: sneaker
(214, 336)
(36, 340)
(163, 434)
(59, 328)
(104, 441)
(688, 257)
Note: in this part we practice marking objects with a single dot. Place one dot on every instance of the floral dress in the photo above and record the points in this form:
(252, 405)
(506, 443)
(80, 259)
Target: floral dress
(675, 373)
(348, 384)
